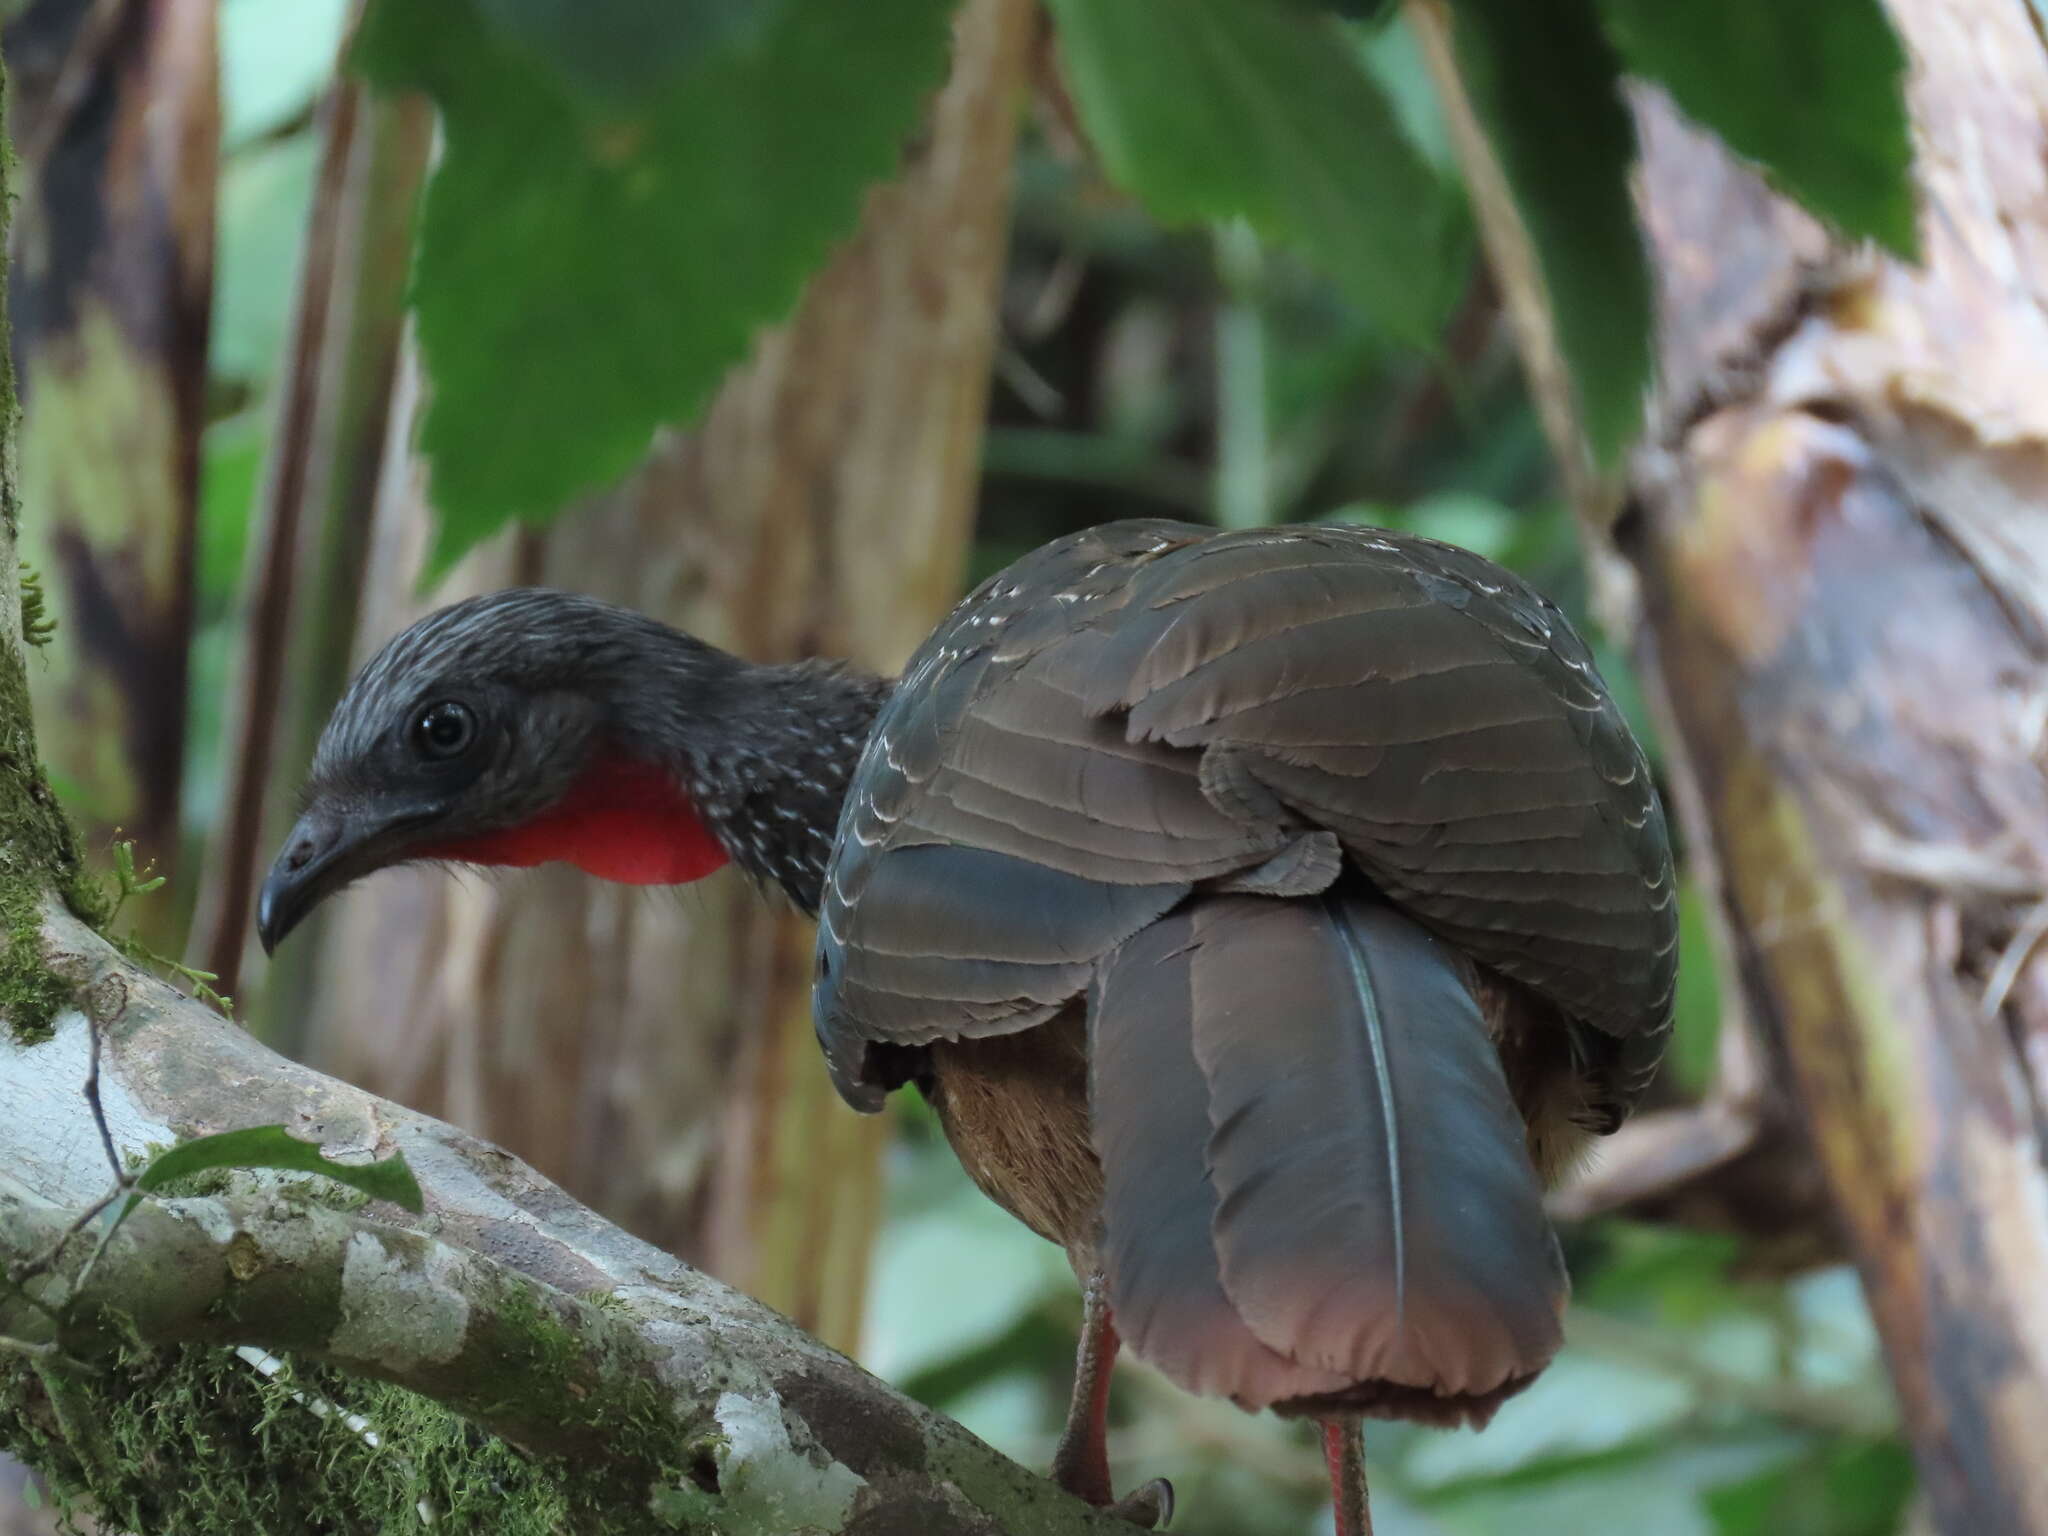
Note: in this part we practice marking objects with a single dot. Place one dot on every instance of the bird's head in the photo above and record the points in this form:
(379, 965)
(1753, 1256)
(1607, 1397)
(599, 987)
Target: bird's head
(517, 728)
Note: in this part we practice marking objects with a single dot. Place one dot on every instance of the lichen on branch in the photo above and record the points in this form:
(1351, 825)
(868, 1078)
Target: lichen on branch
(572, 1385)
(508, 1326)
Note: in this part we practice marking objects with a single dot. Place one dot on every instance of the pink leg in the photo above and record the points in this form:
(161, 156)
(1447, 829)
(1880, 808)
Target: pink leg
(1081, 1463)
(1344, 1455)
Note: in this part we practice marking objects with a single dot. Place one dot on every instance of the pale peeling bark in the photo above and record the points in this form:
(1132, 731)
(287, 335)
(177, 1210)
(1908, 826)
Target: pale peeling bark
(507, 1302)
(654, 1050)
(1834, 568)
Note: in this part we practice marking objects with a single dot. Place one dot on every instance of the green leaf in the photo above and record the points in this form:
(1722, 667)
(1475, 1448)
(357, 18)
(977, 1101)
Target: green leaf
(626, 46)
(1546, 84)
(1212, 109)
(1351, 10)
(589, 266)
(271, 1146)
(1813, 91)
(1849, 1488)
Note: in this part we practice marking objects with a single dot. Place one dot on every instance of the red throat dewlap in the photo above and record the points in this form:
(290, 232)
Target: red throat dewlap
(623, 820)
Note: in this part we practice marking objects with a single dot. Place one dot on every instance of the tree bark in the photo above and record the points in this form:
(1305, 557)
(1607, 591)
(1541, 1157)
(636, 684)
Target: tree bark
(1833, 567)
(119, 132)
(822, 506)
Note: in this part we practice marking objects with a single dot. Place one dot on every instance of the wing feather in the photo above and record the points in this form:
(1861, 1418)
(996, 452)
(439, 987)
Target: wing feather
(1438, 717)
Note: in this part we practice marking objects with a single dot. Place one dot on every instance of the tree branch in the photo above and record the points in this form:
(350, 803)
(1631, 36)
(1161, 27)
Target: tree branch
(666, 1398)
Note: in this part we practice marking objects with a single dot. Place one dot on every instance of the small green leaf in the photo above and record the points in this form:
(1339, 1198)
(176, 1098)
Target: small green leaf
(1813, 91)
(1546, 84)
(1213, 109)
(271, 1146)
(590, 264)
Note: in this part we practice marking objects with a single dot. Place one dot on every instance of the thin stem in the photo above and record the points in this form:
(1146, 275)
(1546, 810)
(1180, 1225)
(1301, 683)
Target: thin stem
(99, 1112)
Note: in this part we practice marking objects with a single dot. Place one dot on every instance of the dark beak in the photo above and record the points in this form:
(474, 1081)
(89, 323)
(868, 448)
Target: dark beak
(326, 851)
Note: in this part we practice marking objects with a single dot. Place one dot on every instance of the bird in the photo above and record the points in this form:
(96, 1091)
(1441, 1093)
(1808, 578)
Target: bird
(1269, 916)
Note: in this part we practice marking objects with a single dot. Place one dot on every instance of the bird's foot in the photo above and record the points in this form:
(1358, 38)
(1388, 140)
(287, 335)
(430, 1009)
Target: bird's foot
(1083, 1470)
(1148, 1506)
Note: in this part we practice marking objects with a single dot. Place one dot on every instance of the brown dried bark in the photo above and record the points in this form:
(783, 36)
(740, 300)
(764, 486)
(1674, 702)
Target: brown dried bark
(1833, 564)
(652, 1051)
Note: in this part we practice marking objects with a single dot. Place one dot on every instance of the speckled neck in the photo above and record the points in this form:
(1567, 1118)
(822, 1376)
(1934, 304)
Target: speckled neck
(770, 783)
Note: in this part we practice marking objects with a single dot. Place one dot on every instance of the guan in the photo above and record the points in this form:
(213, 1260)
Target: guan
(1268, 916)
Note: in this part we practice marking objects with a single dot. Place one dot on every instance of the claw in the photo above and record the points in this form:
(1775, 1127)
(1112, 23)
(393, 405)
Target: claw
(1148, 1506)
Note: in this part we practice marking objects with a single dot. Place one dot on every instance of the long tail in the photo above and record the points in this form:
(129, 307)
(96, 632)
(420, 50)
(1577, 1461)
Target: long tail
(1317, 1190)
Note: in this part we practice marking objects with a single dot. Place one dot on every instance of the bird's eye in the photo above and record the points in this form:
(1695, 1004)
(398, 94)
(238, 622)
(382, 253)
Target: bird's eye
(444, 730)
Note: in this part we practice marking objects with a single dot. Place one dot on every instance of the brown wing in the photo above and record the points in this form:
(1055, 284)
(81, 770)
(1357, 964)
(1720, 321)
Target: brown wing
(1146, 707)
(1446, 722)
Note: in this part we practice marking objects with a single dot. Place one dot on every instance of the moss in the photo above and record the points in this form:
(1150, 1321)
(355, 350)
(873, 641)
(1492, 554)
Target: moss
(195, 1186)
(38, 846)
(317, 1191)
(194, 1439)
(633, 1415)
(290, 1188)
(203, 1443)
(30, 993)
(607, 1299)
(38, 853)
(38, 628)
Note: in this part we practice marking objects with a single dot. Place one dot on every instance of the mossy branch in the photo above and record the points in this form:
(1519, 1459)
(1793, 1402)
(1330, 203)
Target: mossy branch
(628, 1391)
(553, 1374)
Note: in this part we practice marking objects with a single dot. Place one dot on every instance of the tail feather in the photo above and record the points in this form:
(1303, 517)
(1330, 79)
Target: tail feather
(1316, 1184)
(1378, 1215)
(1151, 1121)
